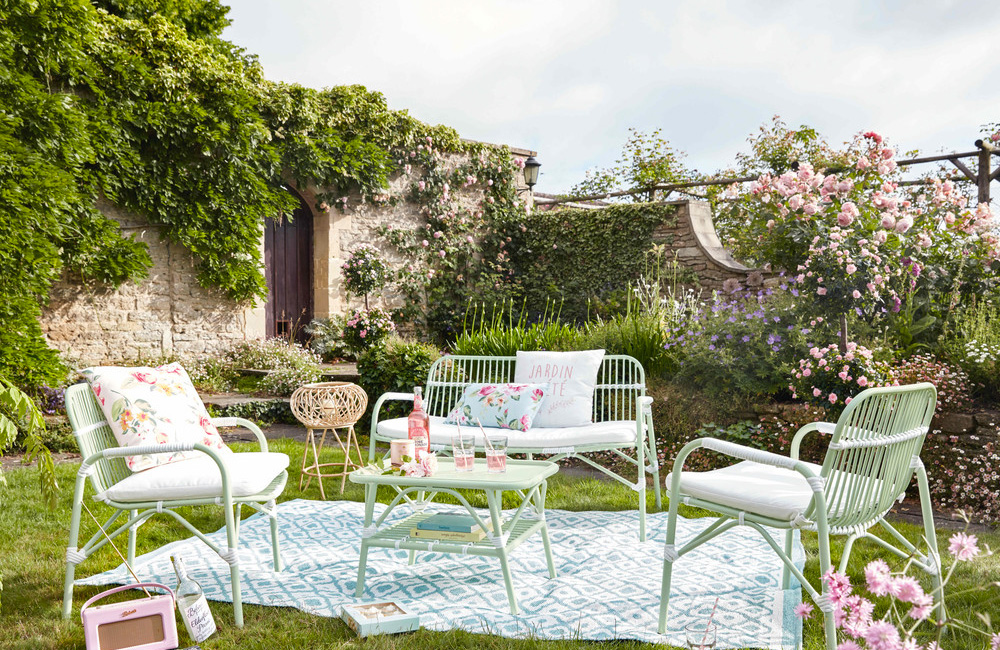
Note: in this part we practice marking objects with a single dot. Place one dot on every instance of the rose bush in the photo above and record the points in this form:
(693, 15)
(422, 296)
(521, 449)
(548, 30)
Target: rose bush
(368, 327)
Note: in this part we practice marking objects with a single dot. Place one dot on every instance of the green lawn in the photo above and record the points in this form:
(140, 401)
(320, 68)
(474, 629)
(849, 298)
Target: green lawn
(33, 541)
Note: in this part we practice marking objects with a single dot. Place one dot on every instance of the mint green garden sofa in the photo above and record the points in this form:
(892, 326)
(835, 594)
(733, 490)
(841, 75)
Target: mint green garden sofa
(622, 419)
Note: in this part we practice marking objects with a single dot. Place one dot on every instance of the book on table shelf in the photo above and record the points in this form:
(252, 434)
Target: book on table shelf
(452, 528)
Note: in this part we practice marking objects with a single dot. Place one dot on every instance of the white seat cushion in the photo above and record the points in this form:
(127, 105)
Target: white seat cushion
(613, 434)
(199, 478)
(752, 487)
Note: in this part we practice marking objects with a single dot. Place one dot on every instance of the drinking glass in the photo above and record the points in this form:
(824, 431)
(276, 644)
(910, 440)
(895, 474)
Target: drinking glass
(463, 450)
(701, 636)
(496, 454)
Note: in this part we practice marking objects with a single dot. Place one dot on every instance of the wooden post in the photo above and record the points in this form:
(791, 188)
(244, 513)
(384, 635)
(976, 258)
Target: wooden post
(984, 176)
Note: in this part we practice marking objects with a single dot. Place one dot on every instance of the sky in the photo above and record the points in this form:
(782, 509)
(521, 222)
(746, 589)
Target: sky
(568, 78)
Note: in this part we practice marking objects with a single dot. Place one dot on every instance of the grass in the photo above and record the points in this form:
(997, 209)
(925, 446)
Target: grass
(33, 541)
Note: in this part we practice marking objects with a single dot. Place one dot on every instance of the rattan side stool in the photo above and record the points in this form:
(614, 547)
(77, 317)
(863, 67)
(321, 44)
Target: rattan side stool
(329, 407)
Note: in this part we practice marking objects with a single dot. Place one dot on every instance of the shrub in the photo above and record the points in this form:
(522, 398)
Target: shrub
(741, 345)
(327, 338)
(365, 271)
(976, 348)
(831, 379)
(290, 365)
(953, 385)
(396, 365)
(639, 335)
(367, 327)
(964, 479)
(263, 412)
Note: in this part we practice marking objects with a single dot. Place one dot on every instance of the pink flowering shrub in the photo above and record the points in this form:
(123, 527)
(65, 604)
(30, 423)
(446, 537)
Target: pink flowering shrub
(954, 389)
(367, 327)
(964, 477)
(831, 379)
(908, 607)
(365, 271)
(861, 244)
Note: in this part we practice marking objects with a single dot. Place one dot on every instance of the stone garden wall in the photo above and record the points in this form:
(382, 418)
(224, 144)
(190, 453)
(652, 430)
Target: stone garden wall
(168, 314)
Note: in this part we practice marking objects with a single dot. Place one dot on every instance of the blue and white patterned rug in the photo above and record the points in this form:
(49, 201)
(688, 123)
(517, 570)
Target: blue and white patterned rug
(608, 584)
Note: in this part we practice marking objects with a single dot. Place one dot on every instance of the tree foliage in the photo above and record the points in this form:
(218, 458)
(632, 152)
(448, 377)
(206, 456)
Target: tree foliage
(647, 160)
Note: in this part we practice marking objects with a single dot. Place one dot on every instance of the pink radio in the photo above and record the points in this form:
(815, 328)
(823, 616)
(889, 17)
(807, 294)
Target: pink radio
(142, 624)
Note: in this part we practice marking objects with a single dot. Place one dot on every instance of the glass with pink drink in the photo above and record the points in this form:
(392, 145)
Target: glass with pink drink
(463, 450)
(496, 454)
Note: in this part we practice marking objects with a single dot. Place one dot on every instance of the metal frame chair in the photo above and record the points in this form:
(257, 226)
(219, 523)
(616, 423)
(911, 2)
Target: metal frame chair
(104, 464)
(619, 395)
(872, 457)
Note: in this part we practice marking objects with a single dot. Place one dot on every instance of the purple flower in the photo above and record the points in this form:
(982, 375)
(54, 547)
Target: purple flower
(746, 339)
(711, 347)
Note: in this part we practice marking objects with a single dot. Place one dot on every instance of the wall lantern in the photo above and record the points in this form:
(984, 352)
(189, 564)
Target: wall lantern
(531, 171)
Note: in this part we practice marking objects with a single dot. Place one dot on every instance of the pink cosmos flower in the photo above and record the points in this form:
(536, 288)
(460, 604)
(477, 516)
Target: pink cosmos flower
(882, 635)
(995, 639)
(803, 610)
(922, 608)
(963, 547)
(848, 645)
(906, 589)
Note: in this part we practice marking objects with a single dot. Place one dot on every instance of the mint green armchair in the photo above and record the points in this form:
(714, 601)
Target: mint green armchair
(873, 454)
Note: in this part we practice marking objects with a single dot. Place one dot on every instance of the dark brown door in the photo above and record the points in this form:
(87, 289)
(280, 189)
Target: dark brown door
(288, 266)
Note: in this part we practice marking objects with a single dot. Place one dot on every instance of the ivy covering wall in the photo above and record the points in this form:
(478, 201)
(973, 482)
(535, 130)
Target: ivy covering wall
(577, 257)
(141, 102)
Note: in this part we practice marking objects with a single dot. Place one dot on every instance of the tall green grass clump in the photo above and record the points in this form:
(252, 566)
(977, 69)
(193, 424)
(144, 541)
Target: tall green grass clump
(500, 334)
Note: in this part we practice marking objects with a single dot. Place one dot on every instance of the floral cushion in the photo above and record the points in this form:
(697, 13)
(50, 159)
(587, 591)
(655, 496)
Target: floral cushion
(507, 406)
(147, 406)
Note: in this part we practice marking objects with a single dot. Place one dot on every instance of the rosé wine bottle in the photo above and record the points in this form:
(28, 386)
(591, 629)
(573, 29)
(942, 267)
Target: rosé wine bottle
(418, 425)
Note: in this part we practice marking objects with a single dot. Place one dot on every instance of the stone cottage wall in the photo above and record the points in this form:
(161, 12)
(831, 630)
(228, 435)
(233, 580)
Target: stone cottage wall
(167, 314)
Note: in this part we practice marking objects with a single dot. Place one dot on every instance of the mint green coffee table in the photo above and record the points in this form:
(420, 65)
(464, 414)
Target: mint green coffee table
(527, 478)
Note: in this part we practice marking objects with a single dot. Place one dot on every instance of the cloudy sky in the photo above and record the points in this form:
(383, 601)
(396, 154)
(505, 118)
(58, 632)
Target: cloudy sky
(568, 78)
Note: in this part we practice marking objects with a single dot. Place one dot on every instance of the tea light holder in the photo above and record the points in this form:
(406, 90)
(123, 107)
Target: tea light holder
(400, 448)
(329, 407)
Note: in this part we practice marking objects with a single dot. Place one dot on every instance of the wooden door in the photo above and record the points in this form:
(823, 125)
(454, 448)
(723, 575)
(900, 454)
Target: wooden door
(288, 268)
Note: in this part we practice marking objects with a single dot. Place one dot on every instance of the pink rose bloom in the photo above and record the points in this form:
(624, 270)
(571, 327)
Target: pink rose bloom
(470, 239)
(850, 268)
(862, 381)
(441, 253)
(832, 398)
(428, 463)
(422, 185)
(821, 291)
(438, 234)
(903, 225)
(770, 224)
(881, 236)
(425, 243)
(844, 219)
(888, 222)
(807, 372)
(795, 202)
(817, 392)
(924, 240)
(412, 468)
(537, 394)
(856, 294)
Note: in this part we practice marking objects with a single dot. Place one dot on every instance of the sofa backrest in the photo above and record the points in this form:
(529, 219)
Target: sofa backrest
(621, 380)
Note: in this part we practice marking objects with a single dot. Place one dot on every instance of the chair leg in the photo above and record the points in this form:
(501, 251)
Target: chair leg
(133, 533)
(655, 464)
(930, 533)
(640, 448)
(829, 627)
(275, 549)
(668, 563)
(786, 574)
(233, 543)
(74, 538)
(845, 557)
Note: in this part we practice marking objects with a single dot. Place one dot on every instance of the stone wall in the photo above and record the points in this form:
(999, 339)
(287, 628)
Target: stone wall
(692, 238)
(167, 314)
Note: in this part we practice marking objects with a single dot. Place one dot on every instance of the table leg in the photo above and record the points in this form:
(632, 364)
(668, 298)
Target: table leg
(495, 500)
(540, 511)
(305, 457)
(370, 492)
(319, 479)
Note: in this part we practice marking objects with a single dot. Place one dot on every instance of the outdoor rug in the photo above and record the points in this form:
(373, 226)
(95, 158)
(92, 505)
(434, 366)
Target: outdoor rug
(608, 584)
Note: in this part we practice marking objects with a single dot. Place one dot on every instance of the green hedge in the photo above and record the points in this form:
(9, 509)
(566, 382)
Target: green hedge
(575, 256)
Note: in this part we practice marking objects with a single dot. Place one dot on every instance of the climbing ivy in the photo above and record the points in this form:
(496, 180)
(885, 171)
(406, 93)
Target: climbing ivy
(141, 103)
(568, 258)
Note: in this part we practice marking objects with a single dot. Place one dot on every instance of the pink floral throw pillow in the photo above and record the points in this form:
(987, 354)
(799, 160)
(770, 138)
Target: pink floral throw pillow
(152, 406)
(504, 406)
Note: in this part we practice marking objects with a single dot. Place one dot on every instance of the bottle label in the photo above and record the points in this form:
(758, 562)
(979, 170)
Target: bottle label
(199, 620)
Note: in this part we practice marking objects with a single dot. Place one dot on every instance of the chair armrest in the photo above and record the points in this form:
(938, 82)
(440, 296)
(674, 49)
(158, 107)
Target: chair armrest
(735, 450)
(246, 424)
(400, 397)
(826, 428)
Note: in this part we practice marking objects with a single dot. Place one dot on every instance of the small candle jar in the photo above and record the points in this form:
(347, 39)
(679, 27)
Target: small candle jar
(398, 449)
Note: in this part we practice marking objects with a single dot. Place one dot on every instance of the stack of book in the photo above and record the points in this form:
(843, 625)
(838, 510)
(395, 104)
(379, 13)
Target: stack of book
(451, 527)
